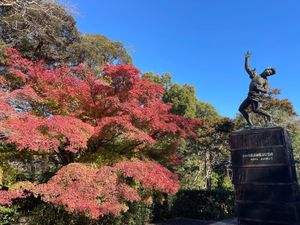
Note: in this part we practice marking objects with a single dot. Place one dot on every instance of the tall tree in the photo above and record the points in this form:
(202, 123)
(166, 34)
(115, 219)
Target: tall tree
(99, 132)
(208, 156)
(45, 29)
(40, 29)
(95, 50)
(182, 97)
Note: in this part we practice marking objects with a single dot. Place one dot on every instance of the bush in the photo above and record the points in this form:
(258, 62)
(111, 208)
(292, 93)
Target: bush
(45, 214)
(8, 215)
(197, 204)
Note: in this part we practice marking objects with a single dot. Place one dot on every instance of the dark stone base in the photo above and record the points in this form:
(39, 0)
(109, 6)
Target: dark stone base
(264, 177)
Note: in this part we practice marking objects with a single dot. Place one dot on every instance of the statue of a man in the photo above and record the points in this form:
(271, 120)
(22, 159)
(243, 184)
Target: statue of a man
(258, 87)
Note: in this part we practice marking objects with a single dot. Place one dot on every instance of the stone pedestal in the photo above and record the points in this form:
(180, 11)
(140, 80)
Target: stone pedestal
(264, 177)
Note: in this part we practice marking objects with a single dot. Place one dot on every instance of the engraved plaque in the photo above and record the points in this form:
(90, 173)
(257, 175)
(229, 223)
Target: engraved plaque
(264, 176)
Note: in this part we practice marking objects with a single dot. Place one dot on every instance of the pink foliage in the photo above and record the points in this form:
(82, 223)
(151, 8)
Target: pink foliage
(65, 107)
(139, 108)
(25, 93)
(122, 124)
(60, 86)
(14, 59)
(69, 130)
(121, 102)
(151, 175)
(122, 76)
(36, 133)
(97, 192)
(83, 188)
(7, 197)
(23, 131)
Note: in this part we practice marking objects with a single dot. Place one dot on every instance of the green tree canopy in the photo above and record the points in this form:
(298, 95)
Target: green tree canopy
(203, 161)
(40, 29)
(96, 49)
(45, 29)
(182, 97)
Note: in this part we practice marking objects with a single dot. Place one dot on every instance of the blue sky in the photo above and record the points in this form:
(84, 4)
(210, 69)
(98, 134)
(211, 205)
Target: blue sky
(202, 42)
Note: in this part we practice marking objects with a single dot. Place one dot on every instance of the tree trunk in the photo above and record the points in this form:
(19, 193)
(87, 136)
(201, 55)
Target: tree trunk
(208, 170)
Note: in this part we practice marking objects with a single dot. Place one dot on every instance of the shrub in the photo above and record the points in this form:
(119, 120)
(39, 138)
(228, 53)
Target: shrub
(197, 204)
(46, 214)
(8, 215)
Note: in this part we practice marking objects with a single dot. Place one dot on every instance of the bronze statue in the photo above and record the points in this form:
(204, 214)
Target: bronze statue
(258, 87)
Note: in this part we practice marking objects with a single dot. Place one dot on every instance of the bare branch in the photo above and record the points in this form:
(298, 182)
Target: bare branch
(8, 3)
(36, 22)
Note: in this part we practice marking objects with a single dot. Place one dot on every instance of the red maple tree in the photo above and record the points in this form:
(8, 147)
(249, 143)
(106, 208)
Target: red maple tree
(72, 113)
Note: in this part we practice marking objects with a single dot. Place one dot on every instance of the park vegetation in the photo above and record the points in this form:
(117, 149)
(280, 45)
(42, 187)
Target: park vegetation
(87, 138)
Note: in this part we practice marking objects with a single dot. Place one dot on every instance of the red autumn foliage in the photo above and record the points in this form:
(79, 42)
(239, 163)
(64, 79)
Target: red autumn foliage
(35, 133)
(82, 188)
(97, 192)
(121, 103)
(139, 109)
(59, 110)
(7, 197)
(151, 175)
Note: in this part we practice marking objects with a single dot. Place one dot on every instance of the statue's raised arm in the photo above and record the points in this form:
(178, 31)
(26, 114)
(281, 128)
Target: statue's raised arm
(247, 66)
(259, 86)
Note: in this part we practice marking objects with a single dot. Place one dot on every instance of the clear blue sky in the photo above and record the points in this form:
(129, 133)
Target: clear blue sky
(202, 42)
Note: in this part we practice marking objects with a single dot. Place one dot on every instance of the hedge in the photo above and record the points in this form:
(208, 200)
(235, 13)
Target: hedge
(197, 204)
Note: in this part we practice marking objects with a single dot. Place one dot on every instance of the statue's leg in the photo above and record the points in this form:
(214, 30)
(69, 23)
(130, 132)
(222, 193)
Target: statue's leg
(256, 107)
(243, 111)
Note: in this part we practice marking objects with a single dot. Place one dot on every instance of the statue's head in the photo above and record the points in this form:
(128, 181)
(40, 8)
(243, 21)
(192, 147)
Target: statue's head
(269, 71)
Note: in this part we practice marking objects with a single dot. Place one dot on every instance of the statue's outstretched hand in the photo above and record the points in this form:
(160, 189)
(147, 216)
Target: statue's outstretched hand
(248, 54)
